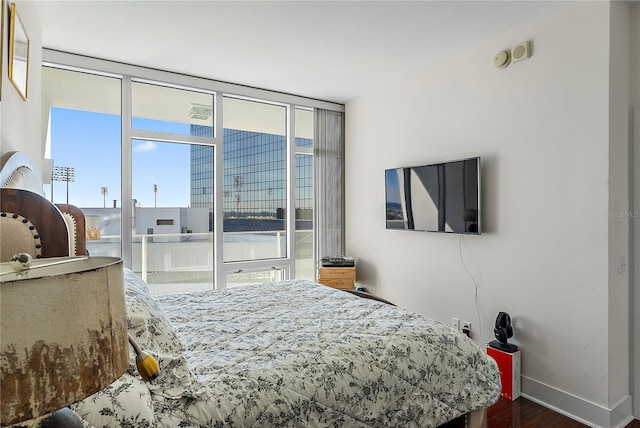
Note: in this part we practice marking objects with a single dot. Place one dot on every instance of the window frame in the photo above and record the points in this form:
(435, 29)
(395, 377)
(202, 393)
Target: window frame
(130, 74)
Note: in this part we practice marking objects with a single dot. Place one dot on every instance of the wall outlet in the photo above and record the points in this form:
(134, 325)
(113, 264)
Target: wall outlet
(466, 328)
(455, 324)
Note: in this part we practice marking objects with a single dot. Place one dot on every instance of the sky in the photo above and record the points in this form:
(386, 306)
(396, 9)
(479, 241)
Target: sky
(90, 143)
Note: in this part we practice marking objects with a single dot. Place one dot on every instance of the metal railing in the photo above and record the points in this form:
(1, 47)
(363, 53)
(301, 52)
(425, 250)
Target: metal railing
(194, 252)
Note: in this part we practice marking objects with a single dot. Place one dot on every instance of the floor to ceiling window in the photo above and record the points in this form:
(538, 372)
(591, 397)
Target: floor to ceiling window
(84, 141)
(172, 187)
(304, 195)
(207, 208)
(254, 190)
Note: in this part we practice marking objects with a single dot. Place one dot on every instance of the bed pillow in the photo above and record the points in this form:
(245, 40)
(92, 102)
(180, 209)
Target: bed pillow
(124, 403)
(152, 330)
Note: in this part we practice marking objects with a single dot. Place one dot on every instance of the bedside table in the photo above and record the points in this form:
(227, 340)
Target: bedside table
(338, 277)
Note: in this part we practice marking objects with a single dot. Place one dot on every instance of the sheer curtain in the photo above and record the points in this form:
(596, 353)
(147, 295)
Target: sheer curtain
(329, 182)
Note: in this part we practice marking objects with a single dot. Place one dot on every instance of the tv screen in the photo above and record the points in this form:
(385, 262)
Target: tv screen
(440, 197)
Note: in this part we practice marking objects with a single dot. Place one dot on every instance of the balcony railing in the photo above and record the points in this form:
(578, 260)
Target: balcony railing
(185, 261)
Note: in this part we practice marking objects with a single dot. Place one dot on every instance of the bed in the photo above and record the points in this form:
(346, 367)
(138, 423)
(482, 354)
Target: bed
(291, 354)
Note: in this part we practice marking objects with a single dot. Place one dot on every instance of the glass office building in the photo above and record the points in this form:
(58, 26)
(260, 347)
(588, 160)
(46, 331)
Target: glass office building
(254, 180)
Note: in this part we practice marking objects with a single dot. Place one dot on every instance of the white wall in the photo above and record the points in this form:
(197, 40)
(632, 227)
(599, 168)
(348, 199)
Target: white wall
(542, 129)
(635, 101)
(21, 127)
(619, 139)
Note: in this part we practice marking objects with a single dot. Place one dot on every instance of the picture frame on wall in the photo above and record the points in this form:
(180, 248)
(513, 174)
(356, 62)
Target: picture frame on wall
(18, 54)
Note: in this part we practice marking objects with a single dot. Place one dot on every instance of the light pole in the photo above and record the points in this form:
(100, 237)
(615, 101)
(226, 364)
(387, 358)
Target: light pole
(155, 196)
(104, 192)
(238, 182)
(63, 173)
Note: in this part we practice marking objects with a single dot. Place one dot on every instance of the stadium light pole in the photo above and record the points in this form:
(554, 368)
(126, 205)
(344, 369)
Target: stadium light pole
(64, 173)
(104, 191)
(155, 196)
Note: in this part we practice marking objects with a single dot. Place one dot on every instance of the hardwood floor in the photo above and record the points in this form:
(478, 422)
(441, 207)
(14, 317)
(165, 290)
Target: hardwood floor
(523, 413)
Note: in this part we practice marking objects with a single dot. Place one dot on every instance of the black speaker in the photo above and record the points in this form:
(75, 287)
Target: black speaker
(503, 330)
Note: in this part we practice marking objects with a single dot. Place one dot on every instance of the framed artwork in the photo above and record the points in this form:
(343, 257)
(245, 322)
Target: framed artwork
(18, 54)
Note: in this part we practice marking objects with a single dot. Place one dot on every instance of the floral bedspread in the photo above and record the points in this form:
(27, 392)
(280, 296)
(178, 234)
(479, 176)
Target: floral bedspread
(297, 353)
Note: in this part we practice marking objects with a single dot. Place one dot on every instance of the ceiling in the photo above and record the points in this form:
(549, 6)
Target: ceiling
(327, 50)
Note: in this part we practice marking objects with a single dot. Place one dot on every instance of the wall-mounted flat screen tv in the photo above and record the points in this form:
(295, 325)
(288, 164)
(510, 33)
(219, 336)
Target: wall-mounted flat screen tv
(439, 197)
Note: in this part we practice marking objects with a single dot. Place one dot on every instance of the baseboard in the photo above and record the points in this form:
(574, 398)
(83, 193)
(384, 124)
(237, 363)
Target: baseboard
(579, 409)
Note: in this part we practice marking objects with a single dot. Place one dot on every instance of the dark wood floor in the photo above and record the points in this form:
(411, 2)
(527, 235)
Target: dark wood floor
(523, 413)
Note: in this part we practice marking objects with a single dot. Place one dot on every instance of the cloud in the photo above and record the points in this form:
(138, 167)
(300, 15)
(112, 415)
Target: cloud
(147, 146)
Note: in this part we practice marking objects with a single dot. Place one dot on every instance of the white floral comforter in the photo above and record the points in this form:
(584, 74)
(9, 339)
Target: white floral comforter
(295, 353)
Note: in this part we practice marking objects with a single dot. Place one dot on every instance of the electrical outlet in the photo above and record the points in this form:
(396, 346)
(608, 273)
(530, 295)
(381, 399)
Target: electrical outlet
(455, 323)
(466, 328)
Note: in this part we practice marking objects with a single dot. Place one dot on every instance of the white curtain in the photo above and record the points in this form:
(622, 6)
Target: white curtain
(329, 182)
